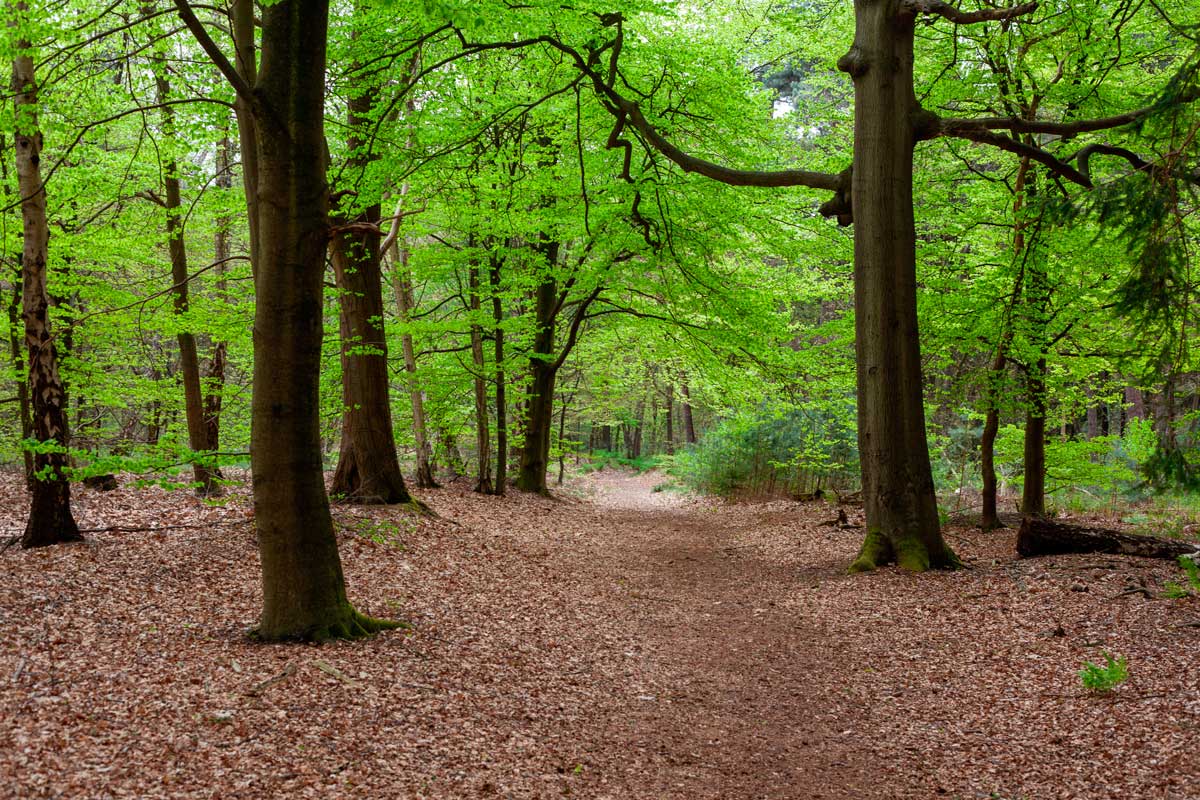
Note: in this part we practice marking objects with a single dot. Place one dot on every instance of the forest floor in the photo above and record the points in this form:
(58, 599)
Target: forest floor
(613, 643)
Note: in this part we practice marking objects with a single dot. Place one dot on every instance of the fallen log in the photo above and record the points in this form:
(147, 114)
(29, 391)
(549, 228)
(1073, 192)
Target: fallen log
(1044, 537)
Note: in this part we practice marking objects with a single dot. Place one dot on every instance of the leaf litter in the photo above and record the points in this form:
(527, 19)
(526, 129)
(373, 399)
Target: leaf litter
(612, 643)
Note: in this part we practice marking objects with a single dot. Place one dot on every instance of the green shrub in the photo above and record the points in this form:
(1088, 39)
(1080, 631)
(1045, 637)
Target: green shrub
(1101, 679)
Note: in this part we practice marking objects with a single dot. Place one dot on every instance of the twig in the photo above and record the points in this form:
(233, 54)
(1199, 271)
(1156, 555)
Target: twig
(1195, 624)
(1142, 590)
(259, 688)
(119, 529)
(330, 669)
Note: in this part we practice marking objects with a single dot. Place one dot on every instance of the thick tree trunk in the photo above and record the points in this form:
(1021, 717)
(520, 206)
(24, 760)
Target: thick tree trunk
(368, 470)
(990, 518)
(304, 594)
(501, 402)
(17, 352)
(898, 492)
(539, 411)
(189, 360)
(483, 437)
(50, 519)
(1042, 537)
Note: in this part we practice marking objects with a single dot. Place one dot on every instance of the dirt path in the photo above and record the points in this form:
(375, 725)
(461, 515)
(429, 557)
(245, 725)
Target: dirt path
(739, 707)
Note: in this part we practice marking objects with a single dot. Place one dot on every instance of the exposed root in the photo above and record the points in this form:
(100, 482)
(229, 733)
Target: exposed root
(910, 553)
(350, 625)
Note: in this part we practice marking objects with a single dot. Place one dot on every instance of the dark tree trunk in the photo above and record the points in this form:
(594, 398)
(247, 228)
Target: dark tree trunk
(50, 519)
(1033, 495)
(1042, 537)
(304, 592)
(898, 493)
(189, 360)
(368, 470)
(483, 437)
(214, 379)
(501, 402)
(670, 443)
(17, 351)
(543, 369)
(990, 519)
(685, 407)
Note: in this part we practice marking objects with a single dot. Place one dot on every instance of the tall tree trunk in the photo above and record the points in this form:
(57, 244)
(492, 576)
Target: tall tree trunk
(501, 402)
(990, 518)
(214, 378)
(368, 470)
(304, 591)
(50, 519)
(670, 443)
(898, 492)
(483, 438)
(402, 289)
(543, 369)
(189, 360)
(685, 407)
(17, 348)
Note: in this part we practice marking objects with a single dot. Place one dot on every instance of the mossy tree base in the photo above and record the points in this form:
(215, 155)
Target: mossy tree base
(349, 625)
(909, 552)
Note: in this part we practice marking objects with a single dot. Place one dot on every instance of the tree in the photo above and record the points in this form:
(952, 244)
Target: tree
(50, 519)
(304, 592)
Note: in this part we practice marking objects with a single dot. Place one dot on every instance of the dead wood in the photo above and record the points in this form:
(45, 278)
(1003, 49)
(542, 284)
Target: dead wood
(1043, 537)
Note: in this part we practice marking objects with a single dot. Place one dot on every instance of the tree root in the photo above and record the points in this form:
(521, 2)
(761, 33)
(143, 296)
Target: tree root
(351, 625)
(909, 553)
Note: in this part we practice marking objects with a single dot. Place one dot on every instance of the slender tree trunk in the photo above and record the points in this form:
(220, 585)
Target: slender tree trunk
(189, 360)
(501, 403)
(50, 519)
(17, 348)
(898, 492)
(241, 15)
(214, 379)
(483, 437)
(685, 407)
(1033, 496)
(402, 289)
(990, 518)
(670, 419)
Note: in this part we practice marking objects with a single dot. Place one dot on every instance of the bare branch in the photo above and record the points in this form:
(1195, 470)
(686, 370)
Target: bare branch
(235, 78)
(959, 17)
(963, 129)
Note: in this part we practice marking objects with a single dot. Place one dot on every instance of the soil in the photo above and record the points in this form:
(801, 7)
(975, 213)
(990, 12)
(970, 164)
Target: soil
(616, 642)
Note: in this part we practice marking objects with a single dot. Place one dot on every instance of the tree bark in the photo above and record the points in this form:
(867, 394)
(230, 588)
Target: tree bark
(204, 476)
(50, 518)
(670, 433)
(402, 289)
(1033, 494)
(483, 437)
(17, 347)
(543, 369)
(685, 407)
(990, 518)
(898, 493)
(1042, 537)
(501, 403)
(214, 378)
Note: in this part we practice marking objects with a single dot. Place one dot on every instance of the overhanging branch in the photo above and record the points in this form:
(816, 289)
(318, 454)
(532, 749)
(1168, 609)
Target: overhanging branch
(959, 17)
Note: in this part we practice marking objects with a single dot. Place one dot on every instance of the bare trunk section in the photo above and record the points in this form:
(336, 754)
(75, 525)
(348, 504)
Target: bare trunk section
(206, 478)
(1033, 495)
(402, 289)
(685, 407)
(214, 378)
(1042, 537)
(543, 369)
(501, 403)
(50, 519)
(483, 438)
(990, 518)
(670, 433)
(17, 353)
(898, 492)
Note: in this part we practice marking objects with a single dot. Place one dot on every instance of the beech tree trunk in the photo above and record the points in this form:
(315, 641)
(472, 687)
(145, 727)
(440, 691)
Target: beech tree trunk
(50, 519)
(898, 493)
(17, 352)
(205, 477)
(1033, 495)
(483, 437)
(402, 289)
(304, 591)
(685, 407)
(543, 369)
(501, 402)
(214, 378)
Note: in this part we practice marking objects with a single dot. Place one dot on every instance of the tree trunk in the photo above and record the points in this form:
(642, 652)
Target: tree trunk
(685, 407)
(402, 289)
(214, 379)
(483, 437)
(989, 518)
(898, 492)
(1033, 495)
(50, 519)
(1042, 537)
(501, 403)
(16, 345)
(304, 593)
(189, 360)
(543, 369)
(670, 443)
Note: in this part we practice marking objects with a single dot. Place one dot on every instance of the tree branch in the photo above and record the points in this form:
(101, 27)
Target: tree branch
(959, 17)
(967, 129)
(235, 78)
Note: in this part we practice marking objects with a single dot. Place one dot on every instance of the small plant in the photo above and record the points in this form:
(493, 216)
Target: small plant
(1191, 572)
(1103, 679)
(381, 531)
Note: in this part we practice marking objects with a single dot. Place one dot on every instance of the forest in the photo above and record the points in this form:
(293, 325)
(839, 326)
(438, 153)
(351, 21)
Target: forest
(625, 399)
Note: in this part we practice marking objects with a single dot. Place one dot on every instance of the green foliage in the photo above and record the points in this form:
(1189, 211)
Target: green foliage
(1103, 679)
(380, 531)
(784, 450)
(1191, 584)
(606, 459)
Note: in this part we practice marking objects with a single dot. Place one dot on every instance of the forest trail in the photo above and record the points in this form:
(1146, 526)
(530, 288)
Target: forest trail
(614, 643)
(739, 709)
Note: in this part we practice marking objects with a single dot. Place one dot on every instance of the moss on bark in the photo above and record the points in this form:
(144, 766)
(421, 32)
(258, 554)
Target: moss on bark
(350, 624)
(908, 551)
